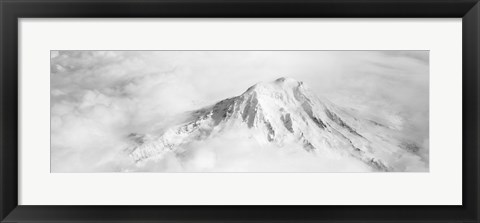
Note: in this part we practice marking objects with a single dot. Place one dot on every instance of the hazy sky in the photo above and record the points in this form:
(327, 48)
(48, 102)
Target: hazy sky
(98, 97)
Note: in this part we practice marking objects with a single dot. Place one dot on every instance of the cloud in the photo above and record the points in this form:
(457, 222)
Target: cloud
(99, 97)
(237, 152)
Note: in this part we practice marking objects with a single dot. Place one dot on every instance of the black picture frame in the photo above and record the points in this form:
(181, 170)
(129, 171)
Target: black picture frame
(12, 10)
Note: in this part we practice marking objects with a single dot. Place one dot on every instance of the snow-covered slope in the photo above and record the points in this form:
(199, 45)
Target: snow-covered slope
(280, 113)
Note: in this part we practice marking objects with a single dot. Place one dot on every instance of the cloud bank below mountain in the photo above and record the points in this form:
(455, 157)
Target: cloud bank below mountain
(99, 97)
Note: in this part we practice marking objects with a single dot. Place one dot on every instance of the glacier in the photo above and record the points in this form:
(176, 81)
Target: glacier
(280, 114)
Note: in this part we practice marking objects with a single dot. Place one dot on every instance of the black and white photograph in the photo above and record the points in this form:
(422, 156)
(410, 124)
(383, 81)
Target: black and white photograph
(239, 111)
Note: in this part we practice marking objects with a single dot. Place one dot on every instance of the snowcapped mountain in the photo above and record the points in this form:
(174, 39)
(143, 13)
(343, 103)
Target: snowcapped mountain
(280, 113)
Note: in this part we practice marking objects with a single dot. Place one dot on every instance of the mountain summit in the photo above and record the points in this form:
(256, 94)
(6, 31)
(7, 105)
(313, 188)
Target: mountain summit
(280, 113)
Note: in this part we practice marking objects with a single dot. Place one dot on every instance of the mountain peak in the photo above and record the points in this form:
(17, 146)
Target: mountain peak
(286, 80)
(279, 113)
(283, 83)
